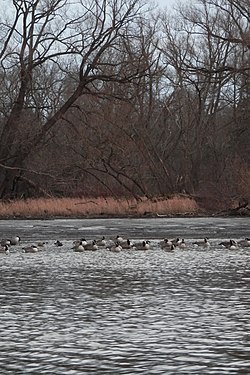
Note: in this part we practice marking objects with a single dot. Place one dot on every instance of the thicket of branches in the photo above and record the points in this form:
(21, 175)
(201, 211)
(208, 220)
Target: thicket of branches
(115, 97)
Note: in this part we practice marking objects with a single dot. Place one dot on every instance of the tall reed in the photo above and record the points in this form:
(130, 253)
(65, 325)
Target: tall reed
(82, 207)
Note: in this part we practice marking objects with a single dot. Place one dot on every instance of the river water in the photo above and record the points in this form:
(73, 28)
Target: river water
(132, 312)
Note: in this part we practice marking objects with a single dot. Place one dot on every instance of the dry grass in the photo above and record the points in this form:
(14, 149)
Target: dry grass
(82, 207)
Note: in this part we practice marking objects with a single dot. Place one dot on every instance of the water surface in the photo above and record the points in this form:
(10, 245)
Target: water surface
(132, 312)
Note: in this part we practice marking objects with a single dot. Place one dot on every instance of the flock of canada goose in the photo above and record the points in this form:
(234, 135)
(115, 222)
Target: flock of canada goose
(119, 244)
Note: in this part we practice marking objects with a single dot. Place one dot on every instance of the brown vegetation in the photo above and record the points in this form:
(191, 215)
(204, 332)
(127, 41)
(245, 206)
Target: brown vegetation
(92, 207)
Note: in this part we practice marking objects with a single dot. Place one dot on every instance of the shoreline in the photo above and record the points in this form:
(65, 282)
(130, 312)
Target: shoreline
(100, 217)
(47, 208)
(110, 208)
(94, 217)
(104, 216)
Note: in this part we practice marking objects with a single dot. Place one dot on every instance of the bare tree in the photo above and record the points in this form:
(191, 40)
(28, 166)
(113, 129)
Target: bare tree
(205, 51)
(45, 43)
(114, 128)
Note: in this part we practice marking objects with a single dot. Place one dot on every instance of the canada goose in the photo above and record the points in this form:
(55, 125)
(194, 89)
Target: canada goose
(203, 243)
(78, 248)
(182, 244)
(119, 239)
(30, 249)
(233, 245)
(245, 242)
(126, 244)
(116, 248)
(144, 245)
(41, 244)
(176, 241)
(101, 241)
(169, 248)
(165, 243)
(58, 243)
(82, 242)
(4, 249)
(4, 242)
(227, 244)
(91, 246)
(15, 240)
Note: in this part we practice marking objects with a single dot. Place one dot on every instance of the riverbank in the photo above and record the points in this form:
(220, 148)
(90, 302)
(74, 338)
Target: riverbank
(45, 208)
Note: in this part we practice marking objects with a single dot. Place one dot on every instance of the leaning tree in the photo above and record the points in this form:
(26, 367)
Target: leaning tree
(44, 44)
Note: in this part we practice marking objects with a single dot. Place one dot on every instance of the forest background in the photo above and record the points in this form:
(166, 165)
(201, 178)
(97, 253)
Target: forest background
(123, 99)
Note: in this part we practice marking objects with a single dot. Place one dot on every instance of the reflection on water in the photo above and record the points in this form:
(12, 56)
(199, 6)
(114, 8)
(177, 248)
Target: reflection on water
(133, 312)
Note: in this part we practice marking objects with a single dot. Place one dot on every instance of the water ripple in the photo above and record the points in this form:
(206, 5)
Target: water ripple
(128, 313)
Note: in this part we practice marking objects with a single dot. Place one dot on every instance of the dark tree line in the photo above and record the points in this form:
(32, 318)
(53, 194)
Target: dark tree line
(118, 98)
